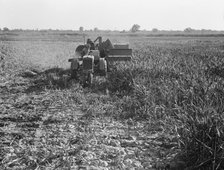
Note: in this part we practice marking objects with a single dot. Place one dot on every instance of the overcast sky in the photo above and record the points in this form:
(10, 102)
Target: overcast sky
(112, 14)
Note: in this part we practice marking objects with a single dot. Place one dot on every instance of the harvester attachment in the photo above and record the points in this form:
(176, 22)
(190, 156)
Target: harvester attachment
(120, 52)
(120, 55)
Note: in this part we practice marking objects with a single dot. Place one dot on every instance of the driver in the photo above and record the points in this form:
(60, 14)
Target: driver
(90, 42)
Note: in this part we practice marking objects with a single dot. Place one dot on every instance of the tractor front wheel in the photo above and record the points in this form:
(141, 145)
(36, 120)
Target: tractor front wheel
(90, 79)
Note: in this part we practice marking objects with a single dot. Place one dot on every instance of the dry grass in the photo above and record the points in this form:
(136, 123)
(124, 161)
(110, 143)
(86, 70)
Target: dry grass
(164, 107)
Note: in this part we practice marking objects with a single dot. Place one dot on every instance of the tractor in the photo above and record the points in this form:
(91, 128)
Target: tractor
(95, 57)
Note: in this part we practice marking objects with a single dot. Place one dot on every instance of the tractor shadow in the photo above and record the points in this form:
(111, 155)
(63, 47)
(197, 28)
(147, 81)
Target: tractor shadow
(59, 79)
(53, 78)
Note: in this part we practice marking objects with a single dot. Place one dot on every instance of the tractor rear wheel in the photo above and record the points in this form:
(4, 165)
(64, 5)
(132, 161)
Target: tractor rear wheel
(103, 66)
(74, 74)
(74, 68)
(87, 80)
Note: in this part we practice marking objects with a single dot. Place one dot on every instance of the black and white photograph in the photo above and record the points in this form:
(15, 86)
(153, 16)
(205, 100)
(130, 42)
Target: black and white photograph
(111, 85)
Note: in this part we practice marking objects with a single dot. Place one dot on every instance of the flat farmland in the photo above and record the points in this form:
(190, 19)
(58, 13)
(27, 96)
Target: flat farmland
(164, 109)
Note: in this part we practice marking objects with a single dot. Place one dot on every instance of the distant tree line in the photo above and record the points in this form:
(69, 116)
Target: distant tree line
(134, 29)
(4, 29)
